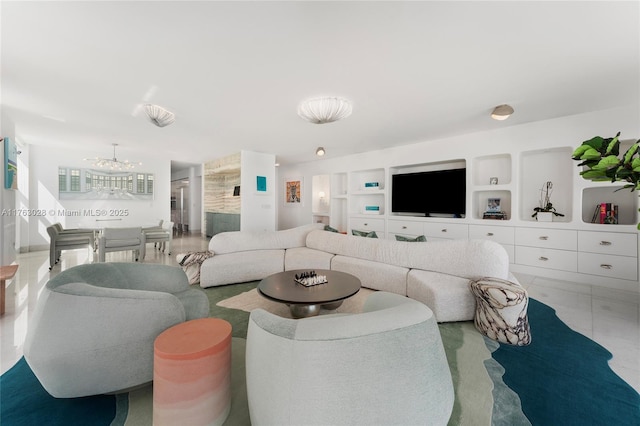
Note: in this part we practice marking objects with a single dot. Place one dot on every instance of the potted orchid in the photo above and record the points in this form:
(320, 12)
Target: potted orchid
(545, 210)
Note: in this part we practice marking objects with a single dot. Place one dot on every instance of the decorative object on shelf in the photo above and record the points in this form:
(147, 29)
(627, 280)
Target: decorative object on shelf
(502, 112)
(545, 205)
(493, 181)
(493, 210)
(320, 151)
(371, 185)
(371, 210)
(493, 205)
(601, 161)
(310, 278)
(112, 163)
(158, 115)
(495, 215)
(324, 110)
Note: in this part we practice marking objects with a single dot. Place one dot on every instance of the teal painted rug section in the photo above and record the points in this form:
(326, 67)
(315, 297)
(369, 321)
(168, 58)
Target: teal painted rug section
(562, 378)
(24, 402)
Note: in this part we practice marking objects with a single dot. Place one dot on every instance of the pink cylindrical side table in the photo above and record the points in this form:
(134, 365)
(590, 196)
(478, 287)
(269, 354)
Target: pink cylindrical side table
(192, 373)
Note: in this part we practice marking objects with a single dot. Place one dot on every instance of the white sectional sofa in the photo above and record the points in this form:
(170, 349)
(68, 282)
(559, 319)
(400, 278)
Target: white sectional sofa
(434, 273)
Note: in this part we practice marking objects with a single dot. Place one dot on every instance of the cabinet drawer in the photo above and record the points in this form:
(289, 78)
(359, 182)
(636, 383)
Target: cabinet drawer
(405, 227)
(547, 258)
(606, 265)
(608, 243)
(547, 238)
(500, 234)
(450, 231)
(362, 224)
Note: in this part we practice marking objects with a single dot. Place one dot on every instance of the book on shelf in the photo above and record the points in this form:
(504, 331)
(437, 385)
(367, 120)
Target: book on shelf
(605, 213)
(499, 215)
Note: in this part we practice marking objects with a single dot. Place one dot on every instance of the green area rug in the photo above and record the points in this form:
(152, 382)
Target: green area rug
(562, 378)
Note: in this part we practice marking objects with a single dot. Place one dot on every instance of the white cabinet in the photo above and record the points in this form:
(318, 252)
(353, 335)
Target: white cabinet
(570, 248)
(368, 224)
(605, 265)
(405, 228)
(608, 243)
(608, 254)
(564, 260)
(547, 248)
(563, 239)
(503, 235)
(446, 231)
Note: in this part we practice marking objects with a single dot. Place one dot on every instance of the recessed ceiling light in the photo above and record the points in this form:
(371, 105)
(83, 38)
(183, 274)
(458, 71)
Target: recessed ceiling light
(320, 151)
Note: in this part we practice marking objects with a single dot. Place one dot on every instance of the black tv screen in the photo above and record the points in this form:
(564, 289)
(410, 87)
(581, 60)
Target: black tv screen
(439, 192)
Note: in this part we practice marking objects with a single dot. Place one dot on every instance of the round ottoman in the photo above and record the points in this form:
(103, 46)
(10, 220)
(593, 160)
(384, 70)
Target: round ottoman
(501, 310)
(192, 373)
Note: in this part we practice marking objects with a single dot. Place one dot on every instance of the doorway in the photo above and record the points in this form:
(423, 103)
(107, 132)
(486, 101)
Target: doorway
(180, 205)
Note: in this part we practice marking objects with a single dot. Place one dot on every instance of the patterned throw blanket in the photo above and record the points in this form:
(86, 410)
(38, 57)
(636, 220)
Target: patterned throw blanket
(191, 262)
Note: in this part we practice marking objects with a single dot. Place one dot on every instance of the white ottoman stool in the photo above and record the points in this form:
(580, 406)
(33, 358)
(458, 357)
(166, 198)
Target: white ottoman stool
(501, 310)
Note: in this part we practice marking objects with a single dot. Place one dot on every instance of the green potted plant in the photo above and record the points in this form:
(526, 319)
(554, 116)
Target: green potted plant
(601, 161)
(545, 210)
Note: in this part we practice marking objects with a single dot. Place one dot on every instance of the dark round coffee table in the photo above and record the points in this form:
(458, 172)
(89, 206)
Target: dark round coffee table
(307, 301)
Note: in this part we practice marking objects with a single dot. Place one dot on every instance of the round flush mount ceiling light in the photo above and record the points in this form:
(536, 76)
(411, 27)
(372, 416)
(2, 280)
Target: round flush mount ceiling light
(158, 115)
(324, 110)
(320, 151)
(502, 112)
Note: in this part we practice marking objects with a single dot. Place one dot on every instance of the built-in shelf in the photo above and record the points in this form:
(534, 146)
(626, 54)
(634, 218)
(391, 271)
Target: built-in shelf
(626, 201)
(539, 167)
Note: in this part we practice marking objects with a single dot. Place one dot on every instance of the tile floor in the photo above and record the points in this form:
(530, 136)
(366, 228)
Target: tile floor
(611, 318)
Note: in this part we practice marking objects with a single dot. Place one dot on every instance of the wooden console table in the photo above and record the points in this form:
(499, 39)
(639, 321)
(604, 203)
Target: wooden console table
(6, 273)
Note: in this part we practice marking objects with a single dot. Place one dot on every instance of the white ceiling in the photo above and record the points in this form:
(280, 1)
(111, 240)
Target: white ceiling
(75, 73)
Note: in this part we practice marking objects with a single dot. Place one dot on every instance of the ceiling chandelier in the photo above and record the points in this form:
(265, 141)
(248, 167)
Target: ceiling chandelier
(112, 163)
(324, 110)
(158, 115)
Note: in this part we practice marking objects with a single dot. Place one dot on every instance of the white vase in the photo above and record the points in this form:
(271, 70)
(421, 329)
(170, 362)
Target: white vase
(544, 217)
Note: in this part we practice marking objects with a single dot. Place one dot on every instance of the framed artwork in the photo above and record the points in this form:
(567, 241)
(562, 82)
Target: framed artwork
(493, 205)
(293, 191)
(10, 164)
(75, 183)
(261, 183)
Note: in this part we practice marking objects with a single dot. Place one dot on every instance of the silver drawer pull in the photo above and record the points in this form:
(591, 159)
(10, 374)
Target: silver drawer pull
(444, 230)
(544, 259)
(489, 234)
(605, 266)
(605, 243)
(543, 237)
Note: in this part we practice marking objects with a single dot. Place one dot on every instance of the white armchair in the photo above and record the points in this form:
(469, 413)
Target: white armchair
(385, 366)
(122, 239)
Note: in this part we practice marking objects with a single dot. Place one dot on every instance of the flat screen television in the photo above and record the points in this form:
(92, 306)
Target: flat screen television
(431, 193)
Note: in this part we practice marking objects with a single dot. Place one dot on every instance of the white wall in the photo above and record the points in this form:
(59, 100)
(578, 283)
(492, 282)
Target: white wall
(43, 195)
(8, 221)
(258, 208)
(568, 131)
